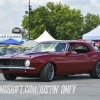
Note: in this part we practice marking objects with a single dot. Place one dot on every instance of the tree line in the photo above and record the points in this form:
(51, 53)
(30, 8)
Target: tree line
(60, 21)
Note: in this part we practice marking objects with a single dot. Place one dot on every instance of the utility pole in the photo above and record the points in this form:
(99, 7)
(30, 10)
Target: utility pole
(29, 19)
(29, 12)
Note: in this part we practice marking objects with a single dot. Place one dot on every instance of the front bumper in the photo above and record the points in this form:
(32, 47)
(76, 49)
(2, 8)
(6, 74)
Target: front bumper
(22, 67)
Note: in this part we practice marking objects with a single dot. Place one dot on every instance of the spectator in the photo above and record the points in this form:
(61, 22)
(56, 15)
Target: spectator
(99, 47)
(95, 47)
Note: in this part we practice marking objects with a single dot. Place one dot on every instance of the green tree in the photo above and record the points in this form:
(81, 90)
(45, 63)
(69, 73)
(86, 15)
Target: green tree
(91, 21)
(59, 20)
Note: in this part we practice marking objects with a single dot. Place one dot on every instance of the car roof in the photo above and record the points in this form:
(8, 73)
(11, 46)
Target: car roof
(73, 41)
(65, 41)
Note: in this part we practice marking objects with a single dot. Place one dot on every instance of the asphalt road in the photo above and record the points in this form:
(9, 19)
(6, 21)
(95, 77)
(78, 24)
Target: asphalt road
(77, 87)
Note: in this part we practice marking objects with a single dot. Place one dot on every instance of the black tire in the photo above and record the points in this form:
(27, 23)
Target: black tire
(9, 76)
(95, 73)
(47, 72)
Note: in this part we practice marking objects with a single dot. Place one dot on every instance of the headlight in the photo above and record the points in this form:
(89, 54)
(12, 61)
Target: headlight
(27, 63)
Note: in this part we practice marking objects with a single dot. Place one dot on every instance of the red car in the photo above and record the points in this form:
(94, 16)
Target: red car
(52, 58)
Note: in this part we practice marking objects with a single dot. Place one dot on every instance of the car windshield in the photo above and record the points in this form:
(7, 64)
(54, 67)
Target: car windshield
(49, 47)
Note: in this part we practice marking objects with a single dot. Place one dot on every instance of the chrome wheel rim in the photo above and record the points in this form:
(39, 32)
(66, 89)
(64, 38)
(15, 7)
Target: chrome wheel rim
(50, 71)
(98, 69)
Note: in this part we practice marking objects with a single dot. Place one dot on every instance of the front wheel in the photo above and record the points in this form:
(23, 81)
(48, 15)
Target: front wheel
(47, 72)
(9, 76)
(95, 73)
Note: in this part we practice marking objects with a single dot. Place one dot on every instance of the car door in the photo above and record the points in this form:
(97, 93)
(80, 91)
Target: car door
(78, 62)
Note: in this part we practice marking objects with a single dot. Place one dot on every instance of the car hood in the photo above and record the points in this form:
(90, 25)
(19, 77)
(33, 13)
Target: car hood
(24, 55)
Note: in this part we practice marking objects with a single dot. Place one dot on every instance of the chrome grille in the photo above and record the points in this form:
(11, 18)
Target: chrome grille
(12, 62)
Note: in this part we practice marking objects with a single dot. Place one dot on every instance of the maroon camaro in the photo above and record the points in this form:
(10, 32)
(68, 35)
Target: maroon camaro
(52, 58)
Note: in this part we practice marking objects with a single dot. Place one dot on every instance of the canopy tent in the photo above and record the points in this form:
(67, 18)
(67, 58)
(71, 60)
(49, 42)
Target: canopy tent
(29, 43)
(21, 42)
(11, 41)
(92, 35)
(44, 37)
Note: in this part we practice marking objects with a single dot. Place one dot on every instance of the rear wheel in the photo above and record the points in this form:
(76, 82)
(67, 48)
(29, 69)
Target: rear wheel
(95, 73)
(9, 76)
(47, 72)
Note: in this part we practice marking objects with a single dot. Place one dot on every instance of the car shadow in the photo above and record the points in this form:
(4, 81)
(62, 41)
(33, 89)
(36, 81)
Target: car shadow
(58, 78)
(72, 77)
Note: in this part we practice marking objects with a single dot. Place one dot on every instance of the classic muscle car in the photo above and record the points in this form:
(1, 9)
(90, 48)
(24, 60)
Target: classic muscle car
(52, 58)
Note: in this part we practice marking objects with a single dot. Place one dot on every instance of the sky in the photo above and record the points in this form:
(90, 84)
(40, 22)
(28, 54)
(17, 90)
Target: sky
(12, 11)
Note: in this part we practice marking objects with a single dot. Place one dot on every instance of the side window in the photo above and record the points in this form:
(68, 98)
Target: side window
(81, 48)
(60, 47)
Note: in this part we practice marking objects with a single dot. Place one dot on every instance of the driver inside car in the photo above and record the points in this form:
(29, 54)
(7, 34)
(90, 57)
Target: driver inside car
(73, 48)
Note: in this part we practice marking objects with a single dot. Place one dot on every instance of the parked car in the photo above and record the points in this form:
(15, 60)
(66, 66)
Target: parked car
(16, 48)
(3, 48)
(52, 58)
(7, 49)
